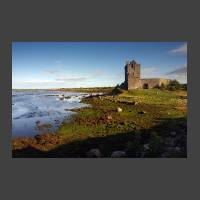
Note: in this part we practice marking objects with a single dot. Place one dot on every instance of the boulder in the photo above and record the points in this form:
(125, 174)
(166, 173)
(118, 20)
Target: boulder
(67, 97)
(118, 154)
(142, 112)
(94, 153)
(37, 122)
(173, 133)
(170, 142)
(178, 149)
(146, 147)
(173, 150)
(109, 117)
(38, 137)
(119, 109)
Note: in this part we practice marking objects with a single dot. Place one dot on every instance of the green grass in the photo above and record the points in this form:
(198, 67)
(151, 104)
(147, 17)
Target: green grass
(157, 104)
(153, 96)
(88, 90)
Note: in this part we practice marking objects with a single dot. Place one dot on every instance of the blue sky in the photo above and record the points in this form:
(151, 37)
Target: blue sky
(91, 64)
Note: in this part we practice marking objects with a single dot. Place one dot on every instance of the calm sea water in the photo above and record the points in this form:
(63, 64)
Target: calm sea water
(42, 111)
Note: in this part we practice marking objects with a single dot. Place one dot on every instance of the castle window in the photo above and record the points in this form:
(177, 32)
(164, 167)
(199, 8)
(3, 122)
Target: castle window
(133, 73)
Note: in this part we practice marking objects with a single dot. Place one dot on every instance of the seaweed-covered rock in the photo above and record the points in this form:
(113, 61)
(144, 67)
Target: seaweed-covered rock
(118, 154)
(94, 153)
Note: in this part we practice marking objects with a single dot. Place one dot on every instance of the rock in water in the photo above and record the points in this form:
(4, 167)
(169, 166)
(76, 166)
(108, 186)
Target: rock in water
(94, 153)
(118, 154)
(119, 109)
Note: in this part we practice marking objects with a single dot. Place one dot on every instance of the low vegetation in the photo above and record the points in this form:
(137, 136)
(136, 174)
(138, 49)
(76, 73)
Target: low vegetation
(139, 123)
(88, 90)
(174, 85)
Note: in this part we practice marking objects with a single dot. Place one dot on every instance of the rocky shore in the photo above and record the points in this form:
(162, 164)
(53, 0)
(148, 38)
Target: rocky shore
(138, 124)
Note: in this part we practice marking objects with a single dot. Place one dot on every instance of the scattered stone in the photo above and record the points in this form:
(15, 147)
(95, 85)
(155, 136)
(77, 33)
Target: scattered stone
(142, 154)
(173, 150)
(118, 154)
(146, 147)
(142, 112)
(37, 137)
(119, 109)
(100, 97)
(122, 123)
(109, 117)
(170, 142)
(37, 122)
(173, 133)
(66, 109)
(94, 153)
(178, 149)
(165, 155)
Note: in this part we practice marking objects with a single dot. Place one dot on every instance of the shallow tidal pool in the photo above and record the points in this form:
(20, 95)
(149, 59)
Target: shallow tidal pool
(42, 111)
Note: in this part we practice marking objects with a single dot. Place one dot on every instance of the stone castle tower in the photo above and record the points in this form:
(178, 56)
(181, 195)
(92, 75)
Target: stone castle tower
(132, 75)
(134, 81)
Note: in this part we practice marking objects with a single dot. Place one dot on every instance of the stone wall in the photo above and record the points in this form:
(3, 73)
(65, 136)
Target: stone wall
(153, 82)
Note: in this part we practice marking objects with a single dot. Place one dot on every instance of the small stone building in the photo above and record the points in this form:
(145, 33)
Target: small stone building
(133, 80)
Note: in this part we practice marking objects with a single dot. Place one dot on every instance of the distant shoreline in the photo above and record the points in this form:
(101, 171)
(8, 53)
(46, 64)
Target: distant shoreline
(88, 90)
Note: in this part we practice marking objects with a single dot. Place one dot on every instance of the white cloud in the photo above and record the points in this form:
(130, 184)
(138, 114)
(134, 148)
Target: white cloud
(58, 61)
(180, 50)
(36, 82)
(181, 71)
(52, 71)
(179, 74)
(56, 78)
(155, 72)
(98, 72)
(60, 75)
(66, 79)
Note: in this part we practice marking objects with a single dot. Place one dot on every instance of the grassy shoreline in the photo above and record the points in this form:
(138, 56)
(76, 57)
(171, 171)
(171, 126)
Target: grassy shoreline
(147, 125)
(87, 90)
